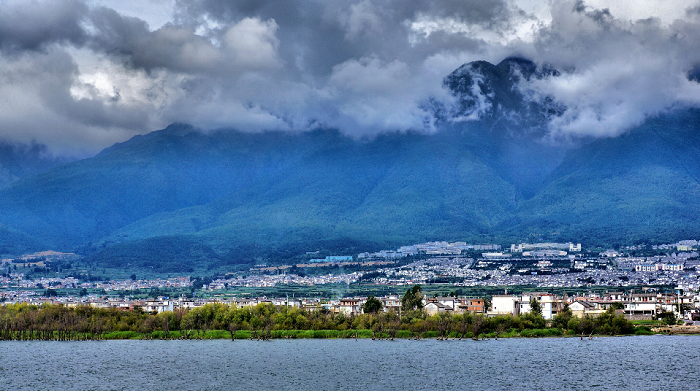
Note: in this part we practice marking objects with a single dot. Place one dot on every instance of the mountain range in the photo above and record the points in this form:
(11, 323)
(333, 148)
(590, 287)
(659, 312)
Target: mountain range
(180, 197)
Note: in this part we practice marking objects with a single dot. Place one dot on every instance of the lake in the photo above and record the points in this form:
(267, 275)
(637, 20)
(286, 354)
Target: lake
(630, 363)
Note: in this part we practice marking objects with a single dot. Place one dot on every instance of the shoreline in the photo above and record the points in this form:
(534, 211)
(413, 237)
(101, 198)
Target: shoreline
(364, 334)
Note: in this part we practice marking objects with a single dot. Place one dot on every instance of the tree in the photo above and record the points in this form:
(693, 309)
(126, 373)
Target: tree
(407, 300)
(535, 306)
(561, 320)
(684, 308)
(479, 325)
(133, 277)
(413, 299)
(372, 305)
(487, 303)
(667, 317)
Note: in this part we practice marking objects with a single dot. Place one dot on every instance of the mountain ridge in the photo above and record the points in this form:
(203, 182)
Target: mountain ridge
(227, 197)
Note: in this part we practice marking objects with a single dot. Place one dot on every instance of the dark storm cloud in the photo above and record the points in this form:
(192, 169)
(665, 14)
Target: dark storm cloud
(317, 35)
(362, 66)
(269, 64)
(33, 25)
(97, 75)
(130, 39)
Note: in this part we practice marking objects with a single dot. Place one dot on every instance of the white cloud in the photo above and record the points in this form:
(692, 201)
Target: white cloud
(617, 72)
(253, 44)
(667, 11)
(377, 96)
(88, 76)
(361, 19)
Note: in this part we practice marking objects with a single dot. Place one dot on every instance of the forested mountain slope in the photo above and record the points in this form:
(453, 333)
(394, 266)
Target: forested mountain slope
(179, 195)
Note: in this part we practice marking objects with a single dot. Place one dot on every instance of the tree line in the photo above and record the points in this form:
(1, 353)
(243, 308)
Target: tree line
(58, 322)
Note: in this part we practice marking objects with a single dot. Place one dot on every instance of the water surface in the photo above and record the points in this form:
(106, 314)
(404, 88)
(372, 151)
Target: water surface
(619, 363)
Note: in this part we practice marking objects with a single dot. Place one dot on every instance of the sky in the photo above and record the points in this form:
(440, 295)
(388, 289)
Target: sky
(80, 75)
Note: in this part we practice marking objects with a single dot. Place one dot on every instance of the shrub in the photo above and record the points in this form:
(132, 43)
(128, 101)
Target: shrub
(216, 334)
(122, 335)
(528, 333)
(404, 334)
(242, 334)
(643, 330)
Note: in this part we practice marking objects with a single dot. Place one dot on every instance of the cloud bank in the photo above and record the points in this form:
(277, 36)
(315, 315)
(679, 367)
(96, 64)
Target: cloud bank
(79, 75)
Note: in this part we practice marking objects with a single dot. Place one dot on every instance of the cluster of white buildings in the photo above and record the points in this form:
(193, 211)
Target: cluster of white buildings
(654, 267)
(16, 280)
(683, 245)
(674, 262)
(270, 280)
(431, 248)
(528, 247)
(642, 305)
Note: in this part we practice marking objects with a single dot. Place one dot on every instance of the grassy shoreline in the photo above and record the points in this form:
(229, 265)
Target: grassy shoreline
(350, 334)
(327, 334)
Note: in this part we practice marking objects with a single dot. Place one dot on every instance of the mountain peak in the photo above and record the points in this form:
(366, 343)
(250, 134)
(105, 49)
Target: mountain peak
(500, 93)
(173, 130)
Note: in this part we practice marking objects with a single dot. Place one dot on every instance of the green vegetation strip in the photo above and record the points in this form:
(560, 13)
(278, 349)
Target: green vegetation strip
(265, 321)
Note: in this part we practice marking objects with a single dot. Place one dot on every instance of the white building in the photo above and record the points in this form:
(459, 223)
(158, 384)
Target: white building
(504, 305)
(158, 306)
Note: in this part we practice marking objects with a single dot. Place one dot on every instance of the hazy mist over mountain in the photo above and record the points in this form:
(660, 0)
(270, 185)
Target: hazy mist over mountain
(345, 125)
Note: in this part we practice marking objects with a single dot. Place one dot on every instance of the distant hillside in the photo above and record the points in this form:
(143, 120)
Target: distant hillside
(642, 186)
(18, 161)
(178, 197)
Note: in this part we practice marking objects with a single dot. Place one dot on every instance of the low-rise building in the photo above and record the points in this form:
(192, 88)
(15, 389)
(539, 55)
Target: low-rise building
(435, 308)
(350, 306)
(504, 305)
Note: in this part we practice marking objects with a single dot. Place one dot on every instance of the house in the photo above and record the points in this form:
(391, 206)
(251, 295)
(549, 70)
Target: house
(311, 304)
(391, 303)
(580, 308)
(641, 306)
(185, 304)
(435, 308)
(246, 302)
(504, 305)
(350, 306)
(614, 296)
(551, 305)
(449, 302)
(158, 306)
(295, 303)
(476, 306)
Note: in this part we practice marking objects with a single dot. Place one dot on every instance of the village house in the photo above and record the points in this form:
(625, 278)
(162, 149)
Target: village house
(435, 308)
(581, 308)
(158, 306)
(476, 306)
(350, 306)
(504, 305)
(449, 302)
(391, 303)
